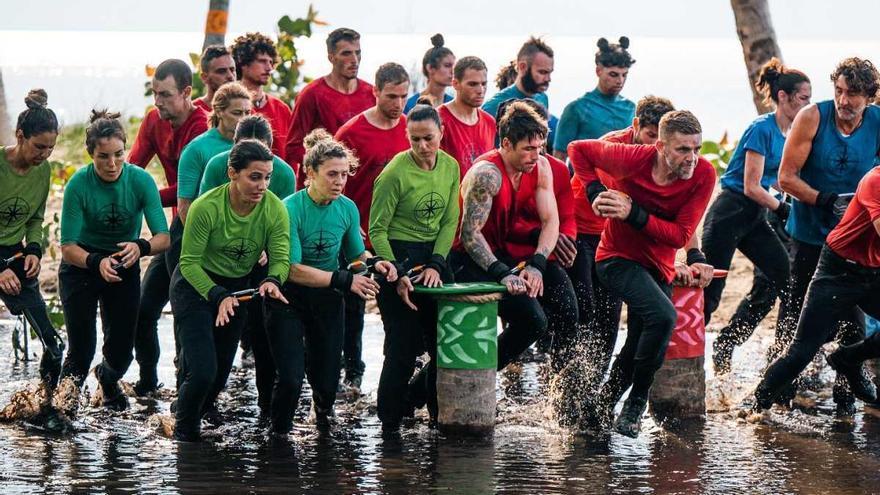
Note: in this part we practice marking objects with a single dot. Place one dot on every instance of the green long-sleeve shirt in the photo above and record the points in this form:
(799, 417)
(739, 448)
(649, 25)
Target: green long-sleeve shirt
(195, 157)
(101, 214)
(319, 232)
(414, 204)
(22, 202)
(282, 182)
(217, 239)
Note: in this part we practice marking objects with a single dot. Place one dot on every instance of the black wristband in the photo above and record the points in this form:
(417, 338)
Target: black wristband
(33, 248)
(371, 262)
(539, 262)
(437, 262)
(341, 280)
(826, 200)
(694, 255)
(638, 216)
(782, 210)
(93, 262)
(398, 266)
(594, 189)
(217, 294)
(144, 246)
(498, 270)
(271, 280)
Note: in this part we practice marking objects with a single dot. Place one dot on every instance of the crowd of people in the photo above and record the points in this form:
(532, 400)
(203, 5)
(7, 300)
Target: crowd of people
(285, 221)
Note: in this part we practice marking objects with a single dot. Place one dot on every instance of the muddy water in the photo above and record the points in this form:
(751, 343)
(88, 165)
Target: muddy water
(808, 450)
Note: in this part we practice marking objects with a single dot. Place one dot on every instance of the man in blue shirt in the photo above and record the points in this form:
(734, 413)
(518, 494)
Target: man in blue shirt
(534, 65)
(601, 110)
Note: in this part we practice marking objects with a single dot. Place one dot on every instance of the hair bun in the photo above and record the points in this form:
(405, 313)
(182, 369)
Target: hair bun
(437, 40)
(425, 100)
(103, 114)
(603, 44)
(316, 136)
(36, 99)
(624, 42)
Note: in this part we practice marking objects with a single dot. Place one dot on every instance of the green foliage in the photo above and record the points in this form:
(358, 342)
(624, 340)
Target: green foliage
(718, 153)
(287, 77)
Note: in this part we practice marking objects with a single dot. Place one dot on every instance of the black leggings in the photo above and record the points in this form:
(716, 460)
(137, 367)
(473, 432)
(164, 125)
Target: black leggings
(311, 325)
(81, 290)
(736, 222)
(408, 334)
(599, 311)
(206, 351)
(837, 288)
(652, 318)
(29, 302)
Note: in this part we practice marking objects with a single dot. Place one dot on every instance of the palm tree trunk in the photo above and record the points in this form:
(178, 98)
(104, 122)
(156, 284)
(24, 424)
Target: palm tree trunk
(6, 135)
(755, 30)
(215, 26)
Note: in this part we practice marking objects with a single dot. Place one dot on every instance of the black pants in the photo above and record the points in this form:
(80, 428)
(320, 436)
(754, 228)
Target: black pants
(353, 344)
(736, 222)
(408, 334)
(524, 319)
(652, 318)
(264, 369)
(837, 288)
(154, 296)
(206, 351)
(311, 325)
(599, 311)
(81, 291)
(29, 302)
(804, 260)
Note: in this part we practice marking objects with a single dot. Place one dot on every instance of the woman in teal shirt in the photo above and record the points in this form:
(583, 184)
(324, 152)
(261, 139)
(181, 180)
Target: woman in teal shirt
(323, 224)
(104, 205)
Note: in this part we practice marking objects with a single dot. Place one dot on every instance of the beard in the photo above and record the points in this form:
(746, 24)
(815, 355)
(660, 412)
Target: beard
(529, 83)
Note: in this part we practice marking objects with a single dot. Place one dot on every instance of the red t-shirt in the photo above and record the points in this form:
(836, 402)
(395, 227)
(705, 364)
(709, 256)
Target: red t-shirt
(466, 142)
(674, 210)
(319, 105)
(156, 137)
(374, 148)
(855, 237)
(278, 114)
(201, 103)
(520, 241)
(587, 221)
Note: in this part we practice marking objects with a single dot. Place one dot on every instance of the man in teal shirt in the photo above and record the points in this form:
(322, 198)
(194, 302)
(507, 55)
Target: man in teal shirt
(601, 110)
(534, 65)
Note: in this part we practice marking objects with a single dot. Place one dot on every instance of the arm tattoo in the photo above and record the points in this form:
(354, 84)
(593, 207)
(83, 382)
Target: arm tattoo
(481, 184)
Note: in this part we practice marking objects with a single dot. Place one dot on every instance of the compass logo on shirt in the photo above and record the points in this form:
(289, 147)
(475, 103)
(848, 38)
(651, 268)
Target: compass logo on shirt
(240, 249)
(14, 211)
(840, 159)
(114, 217)
(429, 206)
(319, 244)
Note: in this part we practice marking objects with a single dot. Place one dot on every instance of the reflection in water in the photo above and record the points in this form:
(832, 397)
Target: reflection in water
(807, 451)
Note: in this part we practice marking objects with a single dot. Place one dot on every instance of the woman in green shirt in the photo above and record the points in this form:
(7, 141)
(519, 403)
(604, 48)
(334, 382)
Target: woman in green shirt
(413, 219)
(323, 224)
(226, 230)
(24, 186)
(104, 205)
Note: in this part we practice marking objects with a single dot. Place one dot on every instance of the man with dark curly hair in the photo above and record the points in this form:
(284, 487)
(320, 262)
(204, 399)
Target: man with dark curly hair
(332, 100)
(601, 110)
(255, 59)
(831, 146)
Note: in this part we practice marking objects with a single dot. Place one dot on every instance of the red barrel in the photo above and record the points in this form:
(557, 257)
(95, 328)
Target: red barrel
(689, 337)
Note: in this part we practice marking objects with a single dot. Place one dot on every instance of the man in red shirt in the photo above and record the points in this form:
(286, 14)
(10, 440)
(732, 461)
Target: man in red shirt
(165, 131)
(599, 308)
(216, 69)
(660, 194)
(332, 100)
(848, 276)
(375, 136)
(255, 59)
(514, 174)
(468, 131)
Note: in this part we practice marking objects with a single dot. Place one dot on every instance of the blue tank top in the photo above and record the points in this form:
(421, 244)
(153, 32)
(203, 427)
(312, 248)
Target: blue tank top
(764, 138)
(836, 164)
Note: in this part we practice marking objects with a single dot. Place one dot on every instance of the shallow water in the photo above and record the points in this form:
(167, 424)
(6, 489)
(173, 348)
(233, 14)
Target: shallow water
(805, 451)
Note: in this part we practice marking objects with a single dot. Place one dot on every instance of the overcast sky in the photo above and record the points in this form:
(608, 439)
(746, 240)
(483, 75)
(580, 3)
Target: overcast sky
(793, 19)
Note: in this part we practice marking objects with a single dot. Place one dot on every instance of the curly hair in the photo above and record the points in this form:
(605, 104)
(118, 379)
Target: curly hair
(650, 109)
(860, 75)
(614, 54)
(247, 47)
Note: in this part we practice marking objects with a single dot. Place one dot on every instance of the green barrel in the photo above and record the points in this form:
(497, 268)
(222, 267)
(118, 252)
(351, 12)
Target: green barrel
(467, 355)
